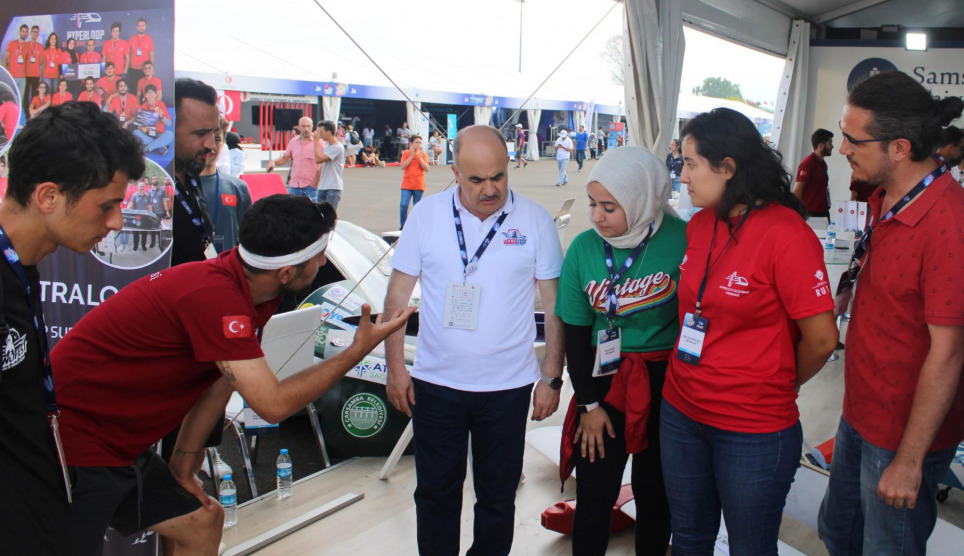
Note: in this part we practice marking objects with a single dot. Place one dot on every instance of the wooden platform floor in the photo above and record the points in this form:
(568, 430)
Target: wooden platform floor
(383, 523)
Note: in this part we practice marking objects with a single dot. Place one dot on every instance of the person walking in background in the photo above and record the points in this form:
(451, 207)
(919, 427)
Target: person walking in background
(812, 182)
(903, 407)
(520, 146)
(756, 311)
(305, 171)
(330, 153)
(235, 154)
(582, 143)
(635, 240)
(564, 150)
(674, 163)
(414, 165)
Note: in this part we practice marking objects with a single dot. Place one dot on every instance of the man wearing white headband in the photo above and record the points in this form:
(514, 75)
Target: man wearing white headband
(172, 347)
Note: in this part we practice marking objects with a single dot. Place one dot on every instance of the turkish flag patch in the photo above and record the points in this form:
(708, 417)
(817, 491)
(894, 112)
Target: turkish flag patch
(238, 326)
(229, 200)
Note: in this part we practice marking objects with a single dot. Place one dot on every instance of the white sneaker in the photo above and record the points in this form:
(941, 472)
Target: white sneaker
(220, 467)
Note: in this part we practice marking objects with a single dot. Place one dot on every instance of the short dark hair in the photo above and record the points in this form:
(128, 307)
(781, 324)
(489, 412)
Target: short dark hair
(952, 135)
(108, 64)
(233, 140)
(282, 224)
(141, 19)
(186, 87)
(820, 137)
(902, 108)
(37, 27)
(88, 78)
(24, 26)
(148, 63)
(328, 126)
(150, 88)
(90, 149)
(122, 80)
(759, 176)
(114, 25)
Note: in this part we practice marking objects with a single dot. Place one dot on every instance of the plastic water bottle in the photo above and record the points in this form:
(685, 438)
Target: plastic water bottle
(284, 474)
(829, 242)
(228, 496)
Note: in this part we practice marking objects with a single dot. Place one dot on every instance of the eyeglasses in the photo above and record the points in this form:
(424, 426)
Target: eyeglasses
(853, 141)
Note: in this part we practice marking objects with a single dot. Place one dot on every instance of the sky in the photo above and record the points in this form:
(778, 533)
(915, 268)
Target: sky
(460, 41)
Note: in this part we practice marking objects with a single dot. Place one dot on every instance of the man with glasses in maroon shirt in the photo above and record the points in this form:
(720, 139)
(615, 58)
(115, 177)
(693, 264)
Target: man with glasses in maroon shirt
(903, 408)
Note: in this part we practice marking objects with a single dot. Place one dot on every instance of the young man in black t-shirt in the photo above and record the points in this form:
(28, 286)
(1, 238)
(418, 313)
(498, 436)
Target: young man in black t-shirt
(72, 200)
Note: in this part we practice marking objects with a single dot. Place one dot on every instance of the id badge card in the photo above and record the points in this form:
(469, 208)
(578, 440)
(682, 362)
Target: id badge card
(33, 59)
(139, 52)
(608, 346)
(20, 59)
(51, 63)
(462, 306)
(691, 339)
(210, 252)
(122, 117)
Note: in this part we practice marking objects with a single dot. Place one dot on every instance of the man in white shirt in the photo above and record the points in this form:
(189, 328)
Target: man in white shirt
(476, 364)
(564, 150)
(330, 153)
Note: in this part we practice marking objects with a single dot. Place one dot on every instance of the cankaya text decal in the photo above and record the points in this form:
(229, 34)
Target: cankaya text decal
(938, 78)
(81, 294)
(634, 295)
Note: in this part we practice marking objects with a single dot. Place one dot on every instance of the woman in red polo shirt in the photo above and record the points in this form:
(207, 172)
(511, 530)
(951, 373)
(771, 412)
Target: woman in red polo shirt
(51, 60)
(40, 101)
(755, 308)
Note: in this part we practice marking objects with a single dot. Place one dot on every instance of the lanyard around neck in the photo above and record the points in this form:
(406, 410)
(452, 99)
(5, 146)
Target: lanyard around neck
(198, 213)
(10, 253)
(854, 269)
(470, 266)
(709, 252)
(615, 278)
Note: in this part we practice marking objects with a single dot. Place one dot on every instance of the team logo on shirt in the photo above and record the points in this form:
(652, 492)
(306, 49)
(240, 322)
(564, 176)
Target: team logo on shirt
(15, 350)
(634, 295)
(238, 326)
(514, 237)
(736, 285)
(823, 286)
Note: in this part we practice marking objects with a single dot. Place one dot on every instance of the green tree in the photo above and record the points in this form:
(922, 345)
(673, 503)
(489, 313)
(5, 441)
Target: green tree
(614, 57)
(719, 87)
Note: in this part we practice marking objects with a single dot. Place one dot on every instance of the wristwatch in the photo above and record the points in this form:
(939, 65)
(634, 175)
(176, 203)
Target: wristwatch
(554, 383)
(588, 407)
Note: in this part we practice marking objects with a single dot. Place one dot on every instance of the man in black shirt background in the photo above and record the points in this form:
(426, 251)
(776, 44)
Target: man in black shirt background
(72, 199)
(196, 119)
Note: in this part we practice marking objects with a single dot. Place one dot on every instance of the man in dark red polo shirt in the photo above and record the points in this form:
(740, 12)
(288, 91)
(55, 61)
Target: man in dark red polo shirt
(903, 409)
(812, 180)
(118, 396)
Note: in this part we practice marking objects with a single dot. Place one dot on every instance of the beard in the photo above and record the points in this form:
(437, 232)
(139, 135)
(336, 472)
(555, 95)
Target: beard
(193, 166)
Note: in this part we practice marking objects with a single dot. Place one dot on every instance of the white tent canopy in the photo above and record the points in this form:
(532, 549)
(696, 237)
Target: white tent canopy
(427, 51)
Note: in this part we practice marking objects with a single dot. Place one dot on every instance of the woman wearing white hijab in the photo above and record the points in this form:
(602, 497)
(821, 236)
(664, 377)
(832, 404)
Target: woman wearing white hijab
(620, 279)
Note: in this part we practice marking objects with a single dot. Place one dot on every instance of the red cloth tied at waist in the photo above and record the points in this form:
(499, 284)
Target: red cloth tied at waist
(630, 394)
